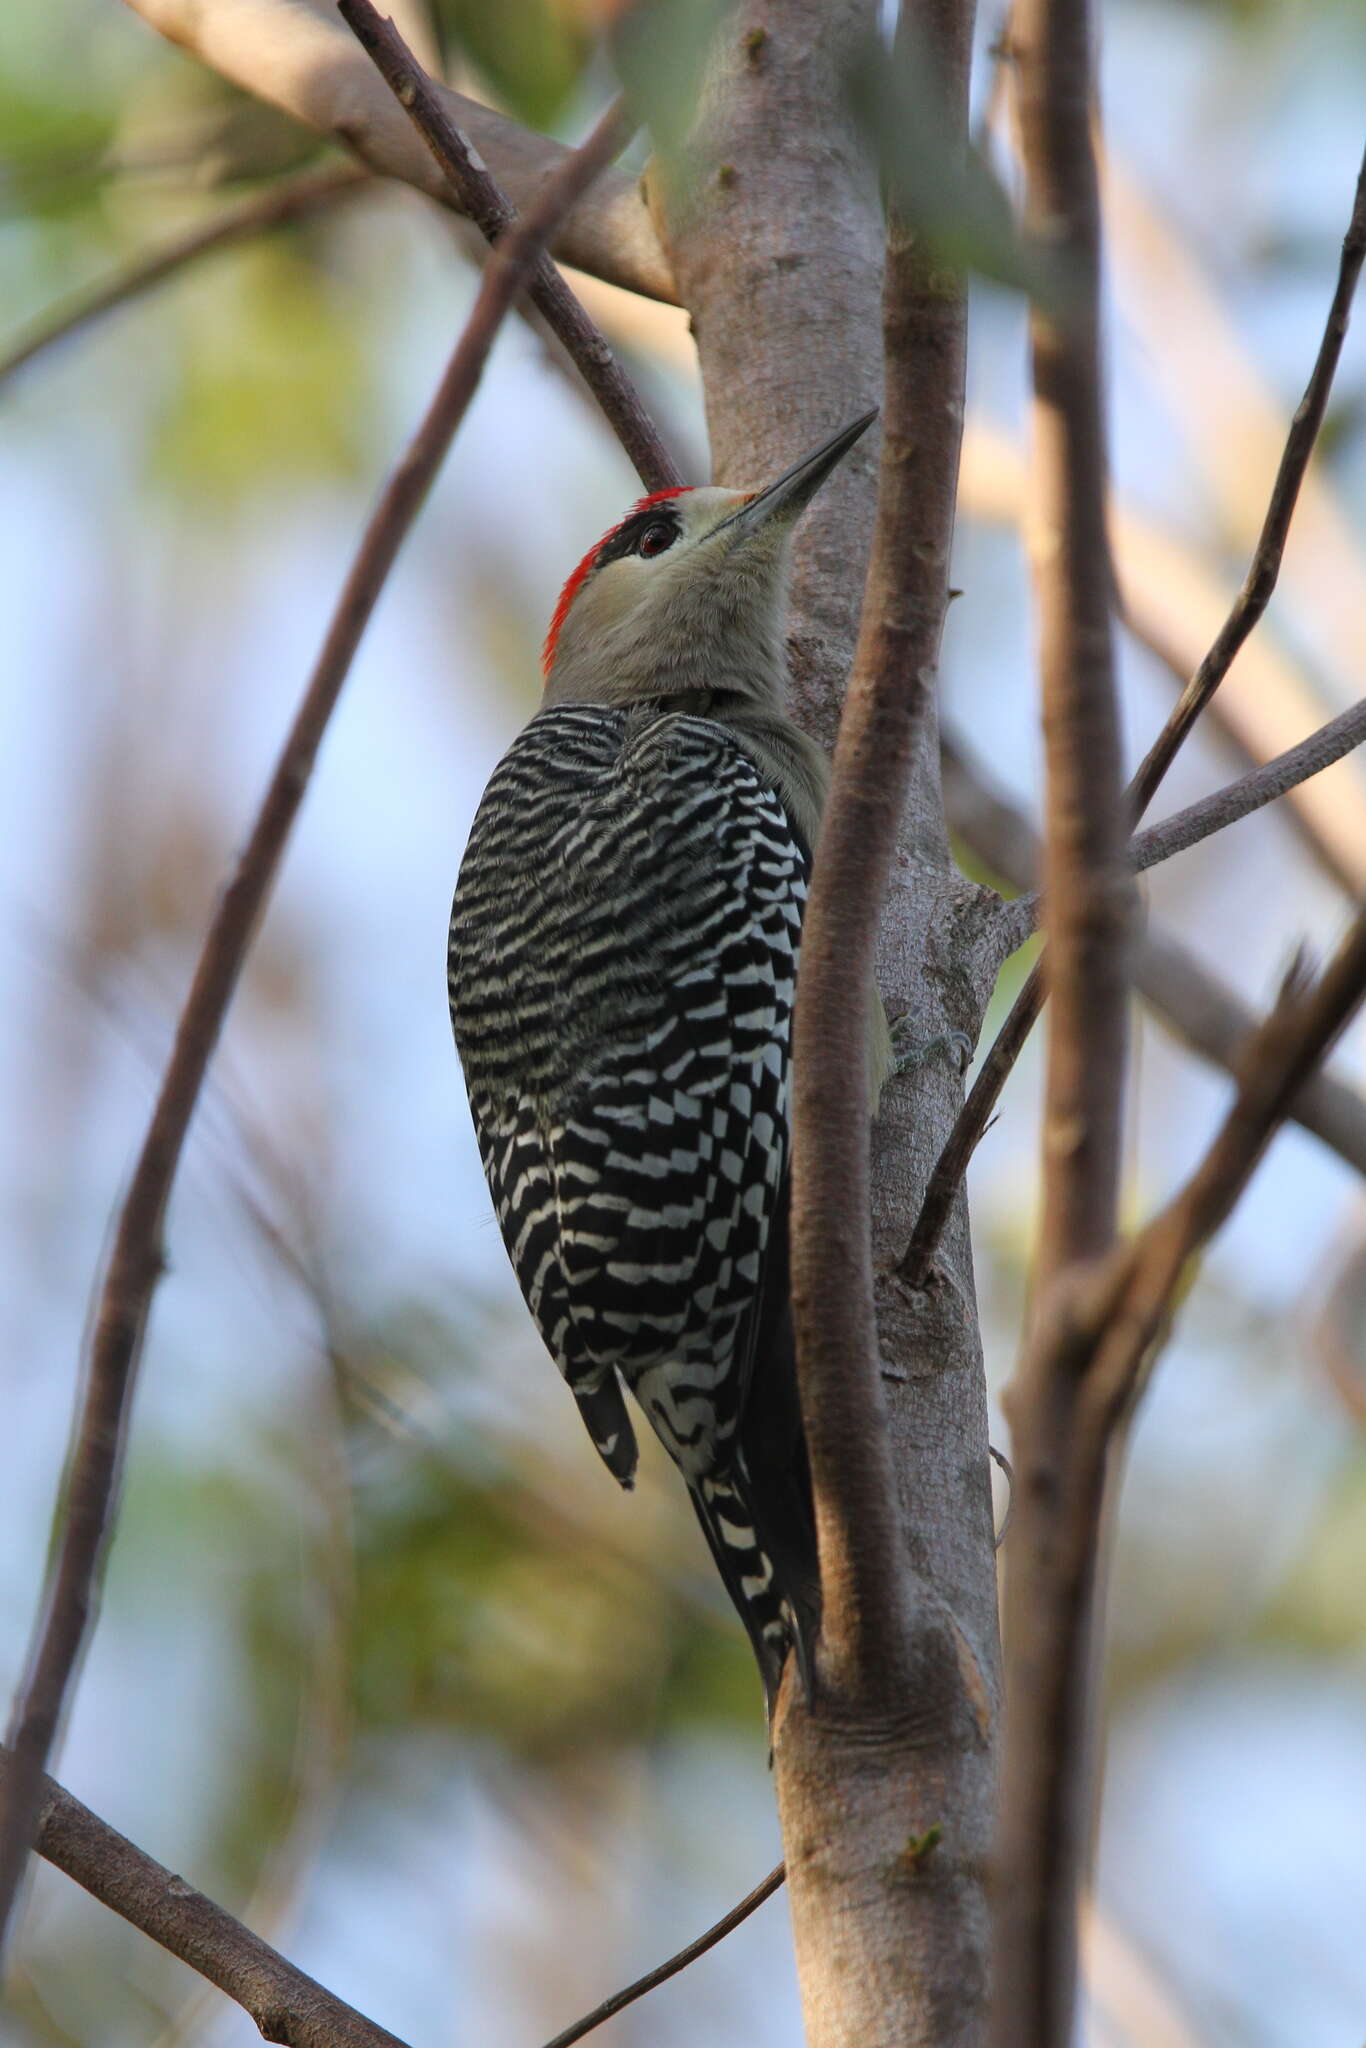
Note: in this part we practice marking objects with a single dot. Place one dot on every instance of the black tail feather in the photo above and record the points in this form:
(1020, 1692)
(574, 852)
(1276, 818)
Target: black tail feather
(604, 1413)
(771, 1572)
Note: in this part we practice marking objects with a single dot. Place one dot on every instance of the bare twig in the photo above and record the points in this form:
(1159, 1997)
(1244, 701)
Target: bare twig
(1118, 1315)
(135, 1261)
(1214, 813)
(1200, 1009)
(290, 200)
(493, 214)
(1255, 595)
(1104, 1329)
(286, 2005)
(1086, 898)
(1247, 609)
(1252, 792)
(663, 1971)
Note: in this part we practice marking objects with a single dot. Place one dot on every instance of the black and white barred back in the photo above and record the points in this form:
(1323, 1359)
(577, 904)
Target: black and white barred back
(622, 968)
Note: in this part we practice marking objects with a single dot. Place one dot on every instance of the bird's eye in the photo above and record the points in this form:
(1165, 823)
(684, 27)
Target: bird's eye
(655, 539)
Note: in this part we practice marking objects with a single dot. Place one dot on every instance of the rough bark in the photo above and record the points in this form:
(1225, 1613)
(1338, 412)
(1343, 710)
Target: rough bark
(775, 234)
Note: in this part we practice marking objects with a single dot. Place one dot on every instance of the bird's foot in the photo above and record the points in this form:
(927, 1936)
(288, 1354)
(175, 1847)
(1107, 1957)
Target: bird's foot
(909, 1052)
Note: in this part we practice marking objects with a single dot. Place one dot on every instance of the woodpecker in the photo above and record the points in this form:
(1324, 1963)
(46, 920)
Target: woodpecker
(622, 968)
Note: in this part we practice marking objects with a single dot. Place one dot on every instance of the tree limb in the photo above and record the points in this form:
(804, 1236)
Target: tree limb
(1213, 813)
(886, 1822)
(136, 1259)
(1265, 567)
(661, 1973)
(296, 55)
(1202, 1012)
(289, 199)
(1117, 1315)
(1247, 609)
(1100, 1328)
(493, 214)
(286, 2005)
(1086, 912)
(1084, 883)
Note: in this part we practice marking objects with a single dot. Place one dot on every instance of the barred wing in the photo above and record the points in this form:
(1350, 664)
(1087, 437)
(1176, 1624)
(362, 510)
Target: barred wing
(623, 958)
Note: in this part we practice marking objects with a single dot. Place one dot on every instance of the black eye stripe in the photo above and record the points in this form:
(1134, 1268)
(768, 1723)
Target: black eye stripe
(627, 538)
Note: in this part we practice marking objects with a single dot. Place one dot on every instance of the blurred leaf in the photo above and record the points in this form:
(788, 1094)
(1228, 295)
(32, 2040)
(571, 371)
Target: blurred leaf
(271, 381)
(476, 1614)
(660, 51)
(54, 148)
(954, 203)
(186, 122)
(531, 52)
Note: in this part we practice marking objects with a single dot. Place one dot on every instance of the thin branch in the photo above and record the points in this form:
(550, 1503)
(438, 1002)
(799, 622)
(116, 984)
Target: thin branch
(289, 200)
(979, 1106)
(136, 1260)
(286, 2005)
(493, 214)
(1087, 894)
(1247, 609)
(1262, 575)
(1237, 800)
(886, 735)
(1122, 1314)
(1194, 1004)
(1330, 833)
(663, 1971)
(1214, 813)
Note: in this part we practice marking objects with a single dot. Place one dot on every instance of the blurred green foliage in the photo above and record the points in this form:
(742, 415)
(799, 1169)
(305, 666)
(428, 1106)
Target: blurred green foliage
(269, 385)
(530, 54)
(660, 49)
(957, 208)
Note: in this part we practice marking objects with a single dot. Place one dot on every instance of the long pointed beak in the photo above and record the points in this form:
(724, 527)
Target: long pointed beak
(790, 493)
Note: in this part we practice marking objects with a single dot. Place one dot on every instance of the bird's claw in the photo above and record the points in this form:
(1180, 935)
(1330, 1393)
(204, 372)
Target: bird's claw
(908, 1052)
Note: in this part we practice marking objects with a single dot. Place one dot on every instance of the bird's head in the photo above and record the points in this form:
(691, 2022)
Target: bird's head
(686, 593)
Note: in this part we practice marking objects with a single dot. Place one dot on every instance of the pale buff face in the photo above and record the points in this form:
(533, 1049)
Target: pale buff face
(675, 599)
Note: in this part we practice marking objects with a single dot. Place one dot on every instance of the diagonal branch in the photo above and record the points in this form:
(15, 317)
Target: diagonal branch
(135, 1261)
(286, 2005)
(1119, 1315)
(662, 1972)
(1216, 812)
(296, 55)
(1194, 1004)
(288, 200)
(493, 214)
(1247, 609)
(1265, 567)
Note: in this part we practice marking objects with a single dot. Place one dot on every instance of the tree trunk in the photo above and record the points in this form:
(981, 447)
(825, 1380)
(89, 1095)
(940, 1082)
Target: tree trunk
(775, 232)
